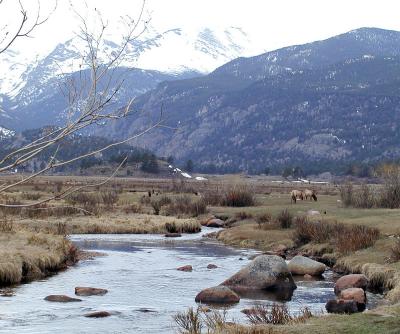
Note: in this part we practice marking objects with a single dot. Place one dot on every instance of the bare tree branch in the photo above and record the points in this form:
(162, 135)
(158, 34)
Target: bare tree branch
(89, 97)
(25, 27)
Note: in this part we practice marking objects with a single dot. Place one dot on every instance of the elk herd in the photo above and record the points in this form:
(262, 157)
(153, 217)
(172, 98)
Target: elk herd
(306, 194)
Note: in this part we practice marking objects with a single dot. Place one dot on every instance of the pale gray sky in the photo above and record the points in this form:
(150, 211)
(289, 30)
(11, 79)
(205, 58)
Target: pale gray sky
(272, 24)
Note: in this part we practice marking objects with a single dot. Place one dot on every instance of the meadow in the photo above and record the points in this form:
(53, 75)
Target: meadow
(256, 212)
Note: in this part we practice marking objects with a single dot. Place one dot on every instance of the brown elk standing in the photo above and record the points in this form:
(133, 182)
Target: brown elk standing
(295, 195)
(310, 194)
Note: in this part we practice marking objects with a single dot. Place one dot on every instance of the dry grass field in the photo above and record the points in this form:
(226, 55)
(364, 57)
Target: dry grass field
(258, 214)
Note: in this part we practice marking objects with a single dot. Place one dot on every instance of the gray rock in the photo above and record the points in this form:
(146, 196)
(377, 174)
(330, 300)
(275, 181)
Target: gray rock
(301, 265)
(265, 272)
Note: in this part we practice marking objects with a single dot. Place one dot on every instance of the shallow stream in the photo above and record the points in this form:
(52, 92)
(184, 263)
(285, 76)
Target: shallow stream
(145, 289)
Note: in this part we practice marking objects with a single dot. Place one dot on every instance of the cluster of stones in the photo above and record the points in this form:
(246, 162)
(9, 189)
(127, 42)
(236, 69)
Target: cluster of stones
(265, 272)
(81, 291)
(268, 272)
(350, 292)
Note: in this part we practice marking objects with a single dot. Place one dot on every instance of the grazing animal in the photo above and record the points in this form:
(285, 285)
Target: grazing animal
(295, 195)
(310, 194)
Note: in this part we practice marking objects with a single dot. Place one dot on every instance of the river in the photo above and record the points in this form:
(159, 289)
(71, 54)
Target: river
(145, 289)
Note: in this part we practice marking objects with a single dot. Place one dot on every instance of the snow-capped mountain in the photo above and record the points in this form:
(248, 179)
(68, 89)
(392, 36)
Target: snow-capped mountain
(6, 133)
(172, 54)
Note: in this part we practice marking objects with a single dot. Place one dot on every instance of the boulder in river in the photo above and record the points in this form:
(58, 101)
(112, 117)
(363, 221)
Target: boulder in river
(341, 306)
(265, 272)
(88, 291)
(217, 295)
(187, 268)
(61, 299)
(212, 266)
(215, 222)
(356, 294)
(351, 281)
(301, 265)
(98, 314)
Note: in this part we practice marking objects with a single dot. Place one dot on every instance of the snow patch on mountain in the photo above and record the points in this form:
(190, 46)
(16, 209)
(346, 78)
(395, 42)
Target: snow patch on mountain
(6, 133)
(172, 51)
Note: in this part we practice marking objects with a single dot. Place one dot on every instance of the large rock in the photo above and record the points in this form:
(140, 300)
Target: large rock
(341, 306)
(356, 294)
(351, 281)
(265, 272)
(215, 222)
(301, 265)
(217, 295)
(87, 291)
(61, 299)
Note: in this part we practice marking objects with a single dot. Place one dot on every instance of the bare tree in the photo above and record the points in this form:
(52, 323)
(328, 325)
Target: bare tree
(90, 102)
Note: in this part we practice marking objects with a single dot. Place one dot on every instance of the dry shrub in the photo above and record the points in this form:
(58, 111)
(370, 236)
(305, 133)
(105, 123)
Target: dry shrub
(355, 237)
(346, 194)
(277, 314)
(145, 200)
(31, 196)
(212, 196)
(158, 203)
(89, 202)
(395, 252)
(109, 198)
(10, 210)
(189, 322)
(263, 220)
(6, 225)
(184, 205)
(284, 219)
(43, 211)
(346, 238)
(364, 197)
(133, 208)
(242, 215)
(238, 197)
(61, 228)
(58, 185)
(390, 197)
(186, 227)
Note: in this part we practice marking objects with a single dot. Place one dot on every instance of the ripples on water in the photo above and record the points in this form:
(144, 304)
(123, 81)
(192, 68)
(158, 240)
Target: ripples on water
(145, 289)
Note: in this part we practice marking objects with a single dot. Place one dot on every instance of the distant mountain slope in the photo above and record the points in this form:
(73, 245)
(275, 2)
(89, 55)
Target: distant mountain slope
(30, 87)
(319, 104)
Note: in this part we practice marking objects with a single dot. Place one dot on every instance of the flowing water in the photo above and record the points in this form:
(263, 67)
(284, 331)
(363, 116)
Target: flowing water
(145, 289)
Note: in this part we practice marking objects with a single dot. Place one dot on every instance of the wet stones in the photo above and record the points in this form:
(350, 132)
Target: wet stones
(350, 290)
(356, 294)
